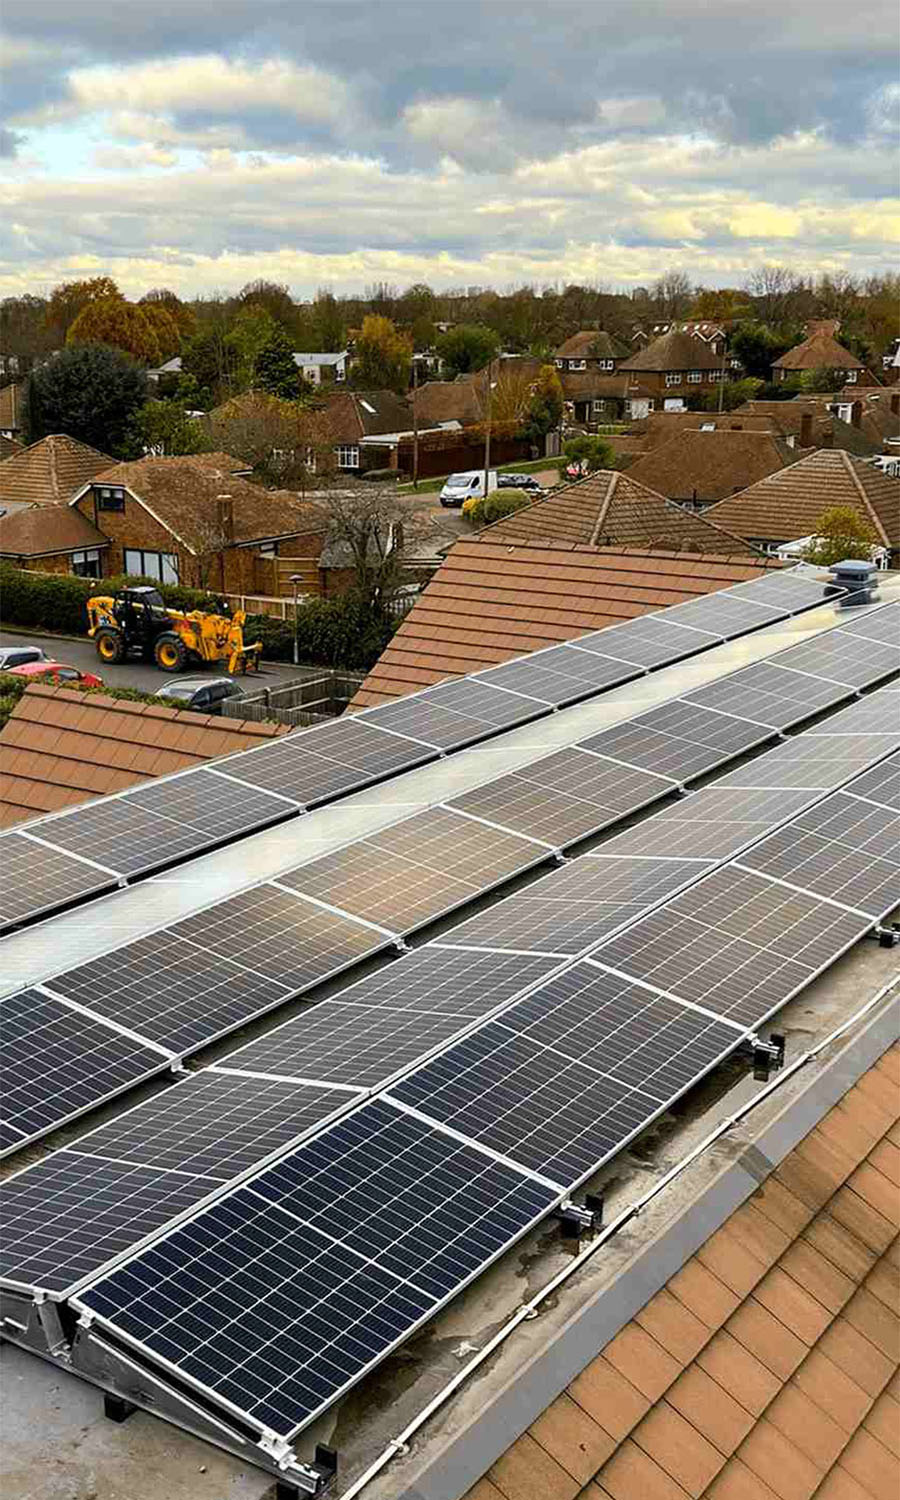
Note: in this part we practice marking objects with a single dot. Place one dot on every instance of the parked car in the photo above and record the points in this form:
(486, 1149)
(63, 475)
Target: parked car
(55, 672)
(467, 485)
(205, 694)
(519, 482)
(19, 656)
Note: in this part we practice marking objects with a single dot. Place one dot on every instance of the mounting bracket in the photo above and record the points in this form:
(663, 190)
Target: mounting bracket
(768, 1057)
(575, 1220)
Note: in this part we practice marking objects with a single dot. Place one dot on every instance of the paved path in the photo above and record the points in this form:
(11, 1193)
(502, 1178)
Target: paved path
(132, 674)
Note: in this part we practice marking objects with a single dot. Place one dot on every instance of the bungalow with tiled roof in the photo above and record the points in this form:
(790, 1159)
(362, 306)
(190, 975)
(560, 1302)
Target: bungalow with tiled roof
(821, 351)
(592, 554)
(50, 471)
(787, 506)
(698, 467)
(52, 539)
(669, 369)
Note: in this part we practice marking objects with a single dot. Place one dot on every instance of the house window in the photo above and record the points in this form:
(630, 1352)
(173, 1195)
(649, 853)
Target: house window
(109, 499)
(309, 459)
(577, 364)
(851, 376)
(268, 549)
(599, 406)
(673, 379)
(162, 567)
(86, 564)
(695, 377)
(347, 456)
(607, 364)
(560, 364)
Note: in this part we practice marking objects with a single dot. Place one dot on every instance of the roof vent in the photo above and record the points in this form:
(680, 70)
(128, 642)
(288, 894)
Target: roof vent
(858, 577)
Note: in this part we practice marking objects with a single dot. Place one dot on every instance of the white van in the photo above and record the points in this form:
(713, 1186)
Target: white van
(460, 487)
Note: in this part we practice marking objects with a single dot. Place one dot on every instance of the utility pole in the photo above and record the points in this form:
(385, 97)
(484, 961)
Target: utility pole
(722, 374)
(487, 431)
(296, 579)
(415, 473)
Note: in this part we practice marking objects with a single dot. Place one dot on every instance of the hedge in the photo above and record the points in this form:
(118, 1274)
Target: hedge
(499, 503)
(339, 632)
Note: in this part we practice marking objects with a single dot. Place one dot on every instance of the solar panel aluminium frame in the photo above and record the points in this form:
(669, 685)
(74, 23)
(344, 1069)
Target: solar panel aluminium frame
(296, 808)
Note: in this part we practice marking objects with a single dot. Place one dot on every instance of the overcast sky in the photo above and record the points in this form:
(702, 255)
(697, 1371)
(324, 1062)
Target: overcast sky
(198, 144)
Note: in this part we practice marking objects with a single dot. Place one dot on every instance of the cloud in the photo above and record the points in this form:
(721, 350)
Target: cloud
(10, 141)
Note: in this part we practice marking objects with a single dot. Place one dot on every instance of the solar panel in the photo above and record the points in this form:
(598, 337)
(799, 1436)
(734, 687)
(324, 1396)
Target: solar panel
(770, 694)
(206, 801)
(559, 675)
(876, 625)
(709, 824)
(736, 943)
(279, 1296)
(842, 848)
(387, 1020)
(881, 784)
(724, 614)
(564, 797)
(815, 762)
(213, 971)
(788, 591)
(38, 879)
(680, 740)
(576, 905)
(415, 870)
(569, 1074)
(456, 713)
(314, 766)
(58, 1062)
(647, 641)
(65, 1217)
(843, 657)
(878, 713)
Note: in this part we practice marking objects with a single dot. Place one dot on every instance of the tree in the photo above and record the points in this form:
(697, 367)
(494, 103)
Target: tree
(67, 301)
(275, 371)
(466, 348)
(545, 409)
(757, 348)
(841, 532)
(272, 297)
(823, 382)
(207, 359)
(720, 304)
(123, 325)
(23, 328)
(285, 442)
(672, 295)
(90, 391)
(584, 455)
(372, 526)
(184, 316)
(249, 334)
(383, 356)
(163, 428)
(328, 325)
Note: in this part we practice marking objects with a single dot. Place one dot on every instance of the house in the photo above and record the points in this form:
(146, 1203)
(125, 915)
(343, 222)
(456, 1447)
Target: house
(818, 422)
(61, 747)
(596, 553)
(52, 539)
(591, 349)
(50, 471)
(323, 368)
(821, 351)
(710, 333)
(698, 467)
(673, 366)
(440, 402)
(171, 369)
(787, 505)
(349, 416)
(11, 410)
(195, 520)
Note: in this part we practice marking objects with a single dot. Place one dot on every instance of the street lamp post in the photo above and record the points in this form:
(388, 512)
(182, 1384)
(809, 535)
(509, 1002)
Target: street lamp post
(487, 430)
(296, 578)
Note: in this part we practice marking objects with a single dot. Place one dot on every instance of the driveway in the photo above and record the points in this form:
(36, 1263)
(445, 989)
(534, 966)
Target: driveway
(132, 674)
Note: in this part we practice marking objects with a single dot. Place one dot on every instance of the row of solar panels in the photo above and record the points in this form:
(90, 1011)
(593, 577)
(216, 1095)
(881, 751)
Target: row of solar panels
(92, 1031)
(87, 1204)
(274, 1299)
(80, 853)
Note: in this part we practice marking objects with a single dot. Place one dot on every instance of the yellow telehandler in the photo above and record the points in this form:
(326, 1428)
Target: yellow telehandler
(136, 620)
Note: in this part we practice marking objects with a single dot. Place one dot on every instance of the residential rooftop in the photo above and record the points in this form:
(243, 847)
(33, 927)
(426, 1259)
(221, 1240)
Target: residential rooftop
(50, 471)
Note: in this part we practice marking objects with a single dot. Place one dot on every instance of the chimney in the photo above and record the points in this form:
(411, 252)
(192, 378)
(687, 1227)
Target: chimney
(806, 430)
(856, 414)
(225, 516)
(895, 403)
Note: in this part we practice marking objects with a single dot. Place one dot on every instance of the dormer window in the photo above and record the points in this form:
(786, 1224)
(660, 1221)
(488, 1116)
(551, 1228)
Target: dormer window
(851, 376)
(695, 377)
(607, 364)
(109, 497)
(673, 379)
(577, 364)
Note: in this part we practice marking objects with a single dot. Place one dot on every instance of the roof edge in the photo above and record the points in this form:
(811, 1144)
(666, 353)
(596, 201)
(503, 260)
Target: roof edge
(467, 1457)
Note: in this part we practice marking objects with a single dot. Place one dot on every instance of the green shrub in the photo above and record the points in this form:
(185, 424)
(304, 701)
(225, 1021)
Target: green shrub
(339, 632)
(485, 510)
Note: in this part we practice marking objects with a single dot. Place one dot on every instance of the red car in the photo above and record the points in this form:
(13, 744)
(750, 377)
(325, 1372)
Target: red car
(55, 672)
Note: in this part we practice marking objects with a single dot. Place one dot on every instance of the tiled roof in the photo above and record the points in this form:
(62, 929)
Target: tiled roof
(11, 408)
(490, 601)
(61, 746)
(766, 1369)
(592, 343)
(674, 351)
(50, 471)
(787, 505)
(350, 415)
(710, 465)
(40, 530)
(9, 447)
(583, 385)
(661, 426)
(447, 401)
(184, 494)
(612, 509)
(820, 351)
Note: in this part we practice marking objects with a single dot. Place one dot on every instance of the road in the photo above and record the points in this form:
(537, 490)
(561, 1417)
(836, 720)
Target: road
(131, 674)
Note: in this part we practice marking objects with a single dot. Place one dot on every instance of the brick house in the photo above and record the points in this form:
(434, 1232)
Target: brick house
(820, 350)
(52, 539)
(697, 468)
(670, 368)
(195, 520)
(592, 349)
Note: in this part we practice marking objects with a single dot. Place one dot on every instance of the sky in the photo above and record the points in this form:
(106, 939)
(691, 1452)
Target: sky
(199, 144)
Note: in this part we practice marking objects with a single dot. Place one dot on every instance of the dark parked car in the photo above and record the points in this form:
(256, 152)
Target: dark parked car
(519, 482)
(205, 694)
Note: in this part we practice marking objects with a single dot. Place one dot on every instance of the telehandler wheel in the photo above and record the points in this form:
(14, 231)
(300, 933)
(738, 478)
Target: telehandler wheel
(110, 647)
(170, 652)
